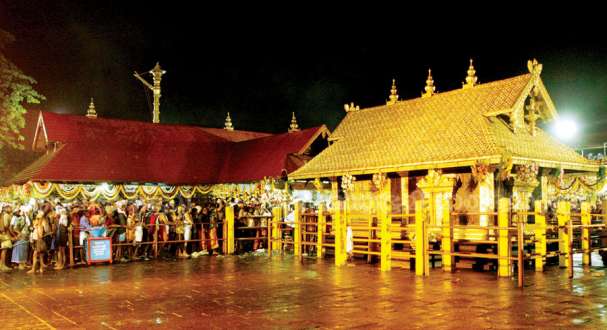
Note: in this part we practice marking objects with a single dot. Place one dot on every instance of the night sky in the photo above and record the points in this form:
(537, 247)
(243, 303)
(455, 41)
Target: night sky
(263, 66)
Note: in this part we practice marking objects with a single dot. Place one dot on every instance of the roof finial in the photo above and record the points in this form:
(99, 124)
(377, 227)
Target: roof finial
(351, 107)
(293, 127)
(393, 96)
(91, 113)
(430, 88)
(228, 124)
(471, 78)
(534, 67)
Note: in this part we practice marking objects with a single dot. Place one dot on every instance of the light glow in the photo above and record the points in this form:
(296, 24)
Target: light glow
(565, 129)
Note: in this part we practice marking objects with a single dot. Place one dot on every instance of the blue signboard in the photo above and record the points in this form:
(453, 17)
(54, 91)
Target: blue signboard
(99, 249)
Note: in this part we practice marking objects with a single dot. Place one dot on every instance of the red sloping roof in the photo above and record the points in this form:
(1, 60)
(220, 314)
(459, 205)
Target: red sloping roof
(91, 162)
(61, 128)
(258, 158)
(110, 150)
(235, 135)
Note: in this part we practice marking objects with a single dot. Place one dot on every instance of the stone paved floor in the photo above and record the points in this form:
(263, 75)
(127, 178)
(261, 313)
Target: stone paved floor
(251, 292)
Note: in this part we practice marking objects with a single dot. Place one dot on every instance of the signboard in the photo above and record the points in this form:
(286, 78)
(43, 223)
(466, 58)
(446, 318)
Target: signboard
(99, 249)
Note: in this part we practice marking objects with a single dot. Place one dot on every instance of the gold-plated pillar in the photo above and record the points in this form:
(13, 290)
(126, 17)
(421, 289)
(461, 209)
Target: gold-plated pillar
(340, 239)
(320, 230)
(422, 266)
(276, 237)
(230, 228)
(297, 230)
(585, 208)
(404, 193)
(540, 236)
(447, 240)
(544, 183)
(564, 217)
(385, 209)
(503, 240)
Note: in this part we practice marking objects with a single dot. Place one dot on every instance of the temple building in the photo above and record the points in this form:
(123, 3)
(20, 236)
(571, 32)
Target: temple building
(468, 147)
(87, 156)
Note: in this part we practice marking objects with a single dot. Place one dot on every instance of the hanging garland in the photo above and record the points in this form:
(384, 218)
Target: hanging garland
(107, 191)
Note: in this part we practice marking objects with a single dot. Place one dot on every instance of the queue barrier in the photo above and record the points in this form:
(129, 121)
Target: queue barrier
(513, 239)
(155, 243)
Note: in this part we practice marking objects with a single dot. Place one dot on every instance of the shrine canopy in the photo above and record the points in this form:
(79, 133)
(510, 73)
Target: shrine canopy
(493, 122)
(82, 149)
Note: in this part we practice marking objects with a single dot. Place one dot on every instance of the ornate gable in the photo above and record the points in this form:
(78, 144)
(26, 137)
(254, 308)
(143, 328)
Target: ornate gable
(533, 105)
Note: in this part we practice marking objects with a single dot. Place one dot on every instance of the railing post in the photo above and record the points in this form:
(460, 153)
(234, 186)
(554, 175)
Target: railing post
(503, 240)
(421, 261)
(297, 230)
(276, 237)
(447, 240)
(585, 208)
(320, 230)
(340, 244)
(564, 216)
(156, 232)
(70, 239)
(230, 228)
(386, 235)
(520, 246)
(570, 254)
(540, 236)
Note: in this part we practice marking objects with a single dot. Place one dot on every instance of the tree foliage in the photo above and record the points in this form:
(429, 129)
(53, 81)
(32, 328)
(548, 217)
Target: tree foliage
(15, 90)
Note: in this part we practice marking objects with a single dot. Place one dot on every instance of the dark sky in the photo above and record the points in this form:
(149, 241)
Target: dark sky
(261, 65)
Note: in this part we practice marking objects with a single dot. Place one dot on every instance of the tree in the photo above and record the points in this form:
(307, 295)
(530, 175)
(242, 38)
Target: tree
(15, 89)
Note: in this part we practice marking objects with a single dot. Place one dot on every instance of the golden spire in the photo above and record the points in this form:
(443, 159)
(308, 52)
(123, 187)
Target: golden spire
(393, 96)
(228, 124)
(293, 127)
(351, 107)
(91, 113)
(430, 88)
(471, 78)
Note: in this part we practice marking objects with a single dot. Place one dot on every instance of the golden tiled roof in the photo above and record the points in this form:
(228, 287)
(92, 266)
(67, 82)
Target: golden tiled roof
(449, 129)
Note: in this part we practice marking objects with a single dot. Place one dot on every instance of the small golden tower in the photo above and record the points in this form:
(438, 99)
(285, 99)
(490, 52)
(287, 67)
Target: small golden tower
(90, 112)
(393, 96)
(471, 78)
(228, 124)
(430, 88)
(293, 127)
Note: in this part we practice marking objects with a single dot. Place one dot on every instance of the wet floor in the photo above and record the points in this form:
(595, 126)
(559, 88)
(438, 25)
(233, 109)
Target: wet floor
(252, 292)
